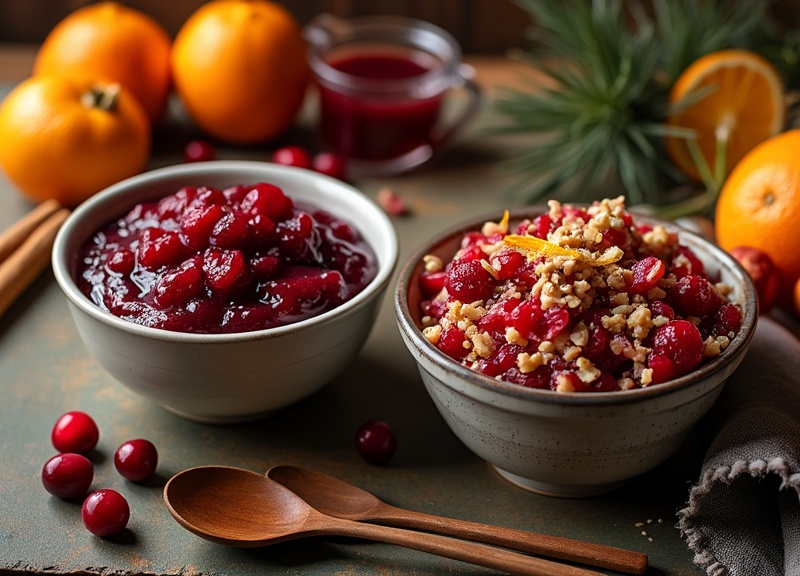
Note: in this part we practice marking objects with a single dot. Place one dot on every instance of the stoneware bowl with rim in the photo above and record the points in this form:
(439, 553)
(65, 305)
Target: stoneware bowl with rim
(227, 378)
(569, 445)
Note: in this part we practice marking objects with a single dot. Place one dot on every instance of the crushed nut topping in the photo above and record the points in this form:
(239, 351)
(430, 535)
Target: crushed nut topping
(577, 299)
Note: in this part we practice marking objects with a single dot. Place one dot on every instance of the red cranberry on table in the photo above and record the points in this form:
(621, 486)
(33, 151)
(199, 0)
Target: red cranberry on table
(761, 268)
(67, 475)
(199, 151)
(75, 432)
(375, 442)
(105, 513)
(292, 156)
(330, 164)
(136, 460)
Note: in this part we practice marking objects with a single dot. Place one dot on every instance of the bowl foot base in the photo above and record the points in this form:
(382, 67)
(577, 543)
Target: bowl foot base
(559, 490)
(221, 420)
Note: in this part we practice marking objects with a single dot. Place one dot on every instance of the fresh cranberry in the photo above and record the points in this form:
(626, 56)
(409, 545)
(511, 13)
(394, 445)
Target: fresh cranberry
(599, 352)
(105, 513)
(269, 200)
(509, 263)
(695, 296)
(613, 237)
(391, 202)
(451, 342)
(375, 442)
(330, 164)
(264, 267)
(762, 270)
(198, 223)
(179, 286)
(136, 460)
(261, 230)
(160, 247)
(231, 231)
(541, 226)
(172, 206)
(226, 271)
(646, 274)
(75, 432)
(685, 261)
(663, 368)
(122, 262)
(299, 237)
(498, 318)
(433, 308)
(603, 383)
(539, 378)
(67, 475)
(503, 360)
(559, 376)
(292, 156)
(728, 320)
(431, 283)
(199, 151)
(681, 342)
(468, 281)
(661, 308)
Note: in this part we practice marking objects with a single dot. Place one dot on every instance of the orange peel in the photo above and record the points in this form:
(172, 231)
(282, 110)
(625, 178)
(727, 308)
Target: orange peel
(532, 244)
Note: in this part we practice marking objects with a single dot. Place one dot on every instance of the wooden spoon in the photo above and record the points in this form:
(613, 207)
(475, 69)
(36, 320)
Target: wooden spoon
(334, 497)
(237, 507)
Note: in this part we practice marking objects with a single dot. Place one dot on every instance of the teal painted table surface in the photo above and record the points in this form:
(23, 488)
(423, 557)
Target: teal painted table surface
(46, 371)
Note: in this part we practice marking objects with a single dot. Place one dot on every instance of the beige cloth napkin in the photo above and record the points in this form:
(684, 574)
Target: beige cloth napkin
(743, 515)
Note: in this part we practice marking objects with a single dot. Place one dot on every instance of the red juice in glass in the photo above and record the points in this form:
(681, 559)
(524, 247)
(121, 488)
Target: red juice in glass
(378, 125)
(381, 83)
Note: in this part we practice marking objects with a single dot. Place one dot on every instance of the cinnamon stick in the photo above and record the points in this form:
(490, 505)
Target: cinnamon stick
(13, 236)
(29, 256)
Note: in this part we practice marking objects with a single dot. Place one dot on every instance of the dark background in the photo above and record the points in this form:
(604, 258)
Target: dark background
(481, 26)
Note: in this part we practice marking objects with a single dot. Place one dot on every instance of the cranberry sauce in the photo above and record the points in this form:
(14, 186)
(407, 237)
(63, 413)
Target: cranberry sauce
(204, 260)
(577, 300)
(371, 127)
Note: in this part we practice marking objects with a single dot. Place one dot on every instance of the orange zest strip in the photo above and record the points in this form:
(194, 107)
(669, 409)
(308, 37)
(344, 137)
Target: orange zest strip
(545, 248)
(503, 224)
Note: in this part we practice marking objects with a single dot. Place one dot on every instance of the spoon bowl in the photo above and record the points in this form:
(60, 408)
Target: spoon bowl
(235, 507)
(337, 498)
(327, 494)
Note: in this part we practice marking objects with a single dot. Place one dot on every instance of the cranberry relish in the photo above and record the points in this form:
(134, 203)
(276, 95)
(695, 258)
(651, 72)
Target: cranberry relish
(205, 260)
(579, 299)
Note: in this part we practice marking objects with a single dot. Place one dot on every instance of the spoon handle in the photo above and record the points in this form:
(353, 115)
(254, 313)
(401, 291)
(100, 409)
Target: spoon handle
(597, 555)
(474, 553)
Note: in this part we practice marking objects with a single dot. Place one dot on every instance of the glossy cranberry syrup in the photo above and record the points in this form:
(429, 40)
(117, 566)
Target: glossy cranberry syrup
(204, 260)
(369, 127)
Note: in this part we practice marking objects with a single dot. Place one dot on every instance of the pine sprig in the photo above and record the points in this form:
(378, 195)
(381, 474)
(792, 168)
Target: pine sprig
(599, 117)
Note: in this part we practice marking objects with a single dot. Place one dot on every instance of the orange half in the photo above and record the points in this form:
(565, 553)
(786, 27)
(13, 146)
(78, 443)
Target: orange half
(730, 98)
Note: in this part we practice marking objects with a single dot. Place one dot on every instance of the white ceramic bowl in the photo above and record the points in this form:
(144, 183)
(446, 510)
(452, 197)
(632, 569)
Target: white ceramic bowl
(225, 378)
(571, 445)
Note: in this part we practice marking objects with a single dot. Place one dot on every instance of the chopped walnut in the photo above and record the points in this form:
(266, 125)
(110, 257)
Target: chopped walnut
(432, 263)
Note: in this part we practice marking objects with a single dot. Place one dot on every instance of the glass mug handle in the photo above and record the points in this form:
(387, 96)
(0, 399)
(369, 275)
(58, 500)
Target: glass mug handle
(444, 135)
(465, 81)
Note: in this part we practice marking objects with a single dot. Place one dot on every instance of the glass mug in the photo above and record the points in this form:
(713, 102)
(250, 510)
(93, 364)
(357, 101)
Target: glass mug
(382, 82)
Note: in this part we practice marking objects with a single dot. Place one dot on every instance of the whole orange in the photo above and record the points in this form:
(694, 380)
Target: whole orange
(67, 137)
(113, 42)
(240, 69)
(759, 204)
(796, 296)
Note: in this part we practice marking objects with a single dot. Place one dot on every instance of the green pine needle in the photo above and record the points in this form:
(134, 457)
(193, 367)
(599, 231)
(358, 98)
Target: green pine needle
(600, 117)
